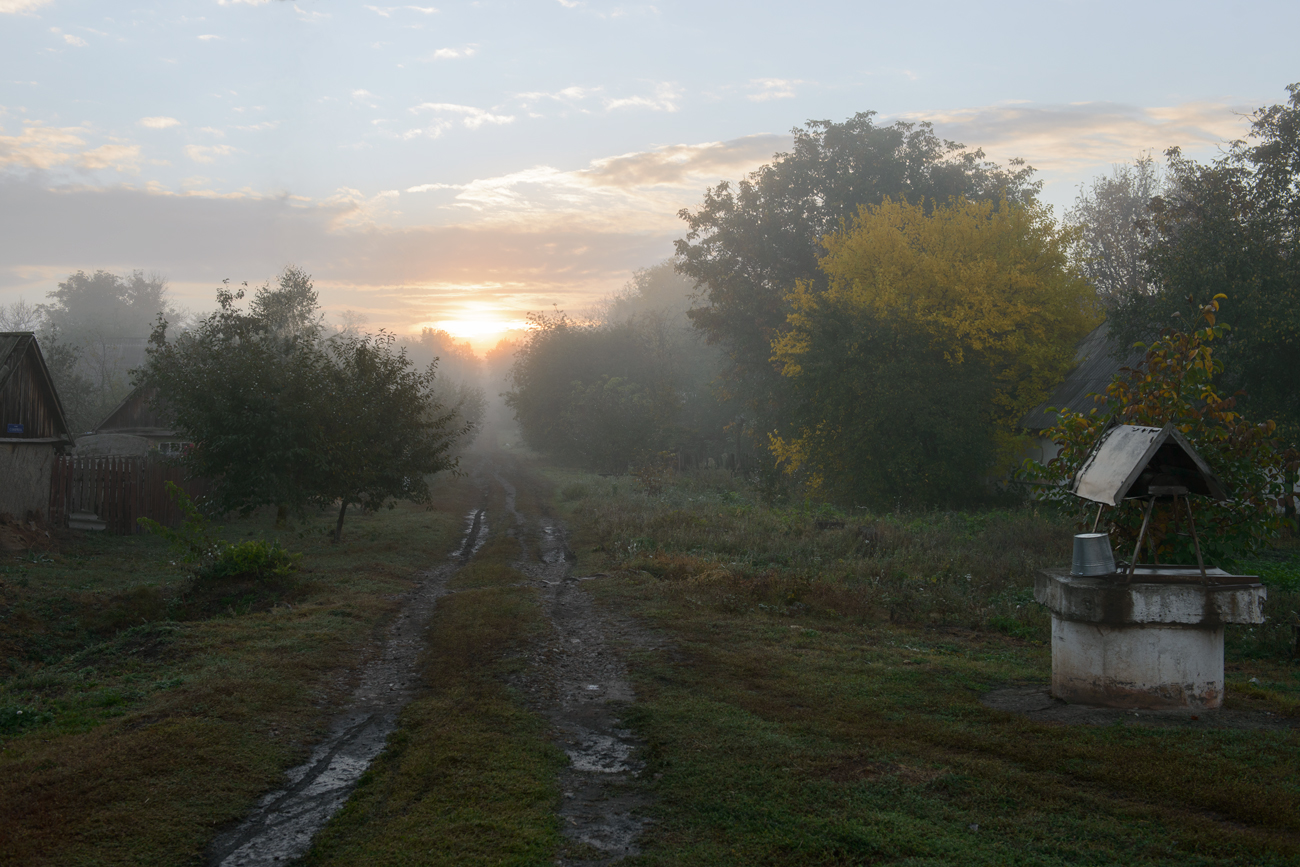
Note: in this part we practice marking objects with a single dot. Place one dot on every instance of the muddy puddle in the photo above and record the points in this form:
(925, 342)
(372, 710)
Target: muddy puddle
(578, 681)
(281, 827)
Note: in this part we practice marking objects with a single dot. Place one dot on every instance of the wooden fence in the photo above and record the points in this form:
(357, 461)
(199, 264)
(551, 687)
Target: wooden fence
(118, 490)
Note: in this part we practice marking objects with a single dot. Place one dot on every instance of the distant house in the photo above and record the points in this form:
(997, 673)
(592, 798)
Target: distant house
(33, 427)
(134, 427)
(1095, 365)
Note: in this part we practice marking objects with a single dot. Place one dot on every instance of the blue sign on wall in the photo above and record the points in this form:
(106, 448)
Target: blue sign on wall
(14, 428)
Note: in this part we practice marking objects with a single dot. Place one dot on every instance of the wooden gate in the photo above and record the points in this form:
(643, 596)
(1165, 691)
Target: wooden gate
(119, 490)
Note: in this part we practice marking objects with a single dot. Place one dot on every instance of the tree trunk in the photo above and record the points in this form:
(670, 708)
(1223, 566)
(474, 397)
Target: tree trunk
(281, 516)
(338, 528)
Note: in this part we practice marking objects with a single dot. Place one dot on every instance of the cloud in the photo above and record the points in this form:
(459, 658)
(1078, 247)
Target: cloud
(75, 40)
(1079, 136)
(773, 88)
(387, 11)
(471, 117)
(400, 276)
(208, 37)
(244, 2)
(454, 53)
(424, 188)
(19, 7)
(158, 122)
(207, 153)
(45, 147)
(638, 192)
(664, 99)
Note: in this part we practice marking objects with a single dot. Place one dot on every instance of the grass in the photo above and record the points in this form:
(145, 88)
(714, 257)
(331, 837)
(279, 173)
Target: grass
(140, 712)
(818, 700)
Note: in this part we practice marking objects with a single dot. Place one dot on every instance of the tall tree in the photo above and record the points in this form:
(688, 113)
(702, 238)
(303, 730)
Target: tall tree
(748, 245)
(1112, 217)
(102, 319)
(936, 332)
(1233, 227)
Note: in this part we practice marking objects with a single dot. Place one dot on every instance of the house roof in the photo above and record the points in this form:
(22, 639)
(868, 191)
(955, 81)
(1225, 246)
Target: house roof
(27, 391)
(137, 415)
(1095, 366)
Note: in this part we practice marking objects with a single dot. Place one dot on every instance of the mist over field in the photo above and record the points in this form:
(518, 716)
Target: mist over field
(584, 432)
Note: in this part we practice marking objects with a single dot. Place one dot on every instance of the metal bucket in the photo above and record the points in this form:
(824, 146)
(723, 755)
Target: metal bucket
(1092, 555)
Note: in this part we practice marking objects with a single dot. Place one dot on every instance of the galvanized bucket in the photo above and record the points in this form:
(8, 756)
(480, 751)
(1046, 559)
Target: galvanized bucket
(1092, 555)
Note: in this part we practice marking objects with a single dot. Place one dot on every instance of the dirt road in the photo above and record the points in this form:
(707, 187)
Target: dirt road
(576, 680)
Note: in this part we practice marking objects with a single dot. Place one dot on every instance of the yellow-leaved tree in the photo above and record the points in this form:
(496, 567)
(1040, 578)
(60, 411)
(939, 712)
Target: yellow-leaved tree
(939, 330)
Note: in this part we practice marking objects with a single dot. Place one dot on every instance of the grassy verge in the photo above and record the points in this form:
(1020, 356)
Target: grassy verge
(470, 776)
(140, 712)
(819, 703)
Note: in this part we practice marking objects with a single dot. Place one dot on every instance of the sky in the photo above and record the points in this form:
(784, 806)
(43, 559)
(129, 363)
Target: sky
(459, 164)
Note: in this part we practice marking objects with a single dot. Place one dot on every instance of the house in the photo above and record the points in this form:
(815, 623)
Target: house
(134, 427)
(33, 427)
(1095, 365)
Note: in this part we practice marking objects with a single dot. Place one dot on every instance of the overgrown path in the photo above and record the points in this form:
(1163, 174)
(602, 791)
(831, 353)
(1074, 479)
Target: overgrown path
(281, 827)
(580, 683)
(555, 659)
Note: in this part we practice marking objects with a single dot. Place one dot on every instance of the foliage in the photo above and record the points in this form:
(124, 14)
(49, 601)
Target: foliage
(100, 319)
(280, 416)
(607, 392)
(1233, 227)
(253, 558)
(210, 556)
(747, 246)
(383, 430)
(936, 333)
(1113, 222)
(251, 393)
(1175, 383)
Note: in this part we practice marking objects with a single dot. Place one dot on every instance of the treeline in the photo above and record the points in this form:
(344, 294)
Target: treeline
(874, 312)
(629, 383)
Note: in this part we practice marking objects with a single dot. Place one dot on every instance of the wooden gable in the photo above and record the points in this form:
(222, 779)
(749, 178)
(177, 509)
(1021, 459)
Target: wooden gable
(30, 409)
(136, 415)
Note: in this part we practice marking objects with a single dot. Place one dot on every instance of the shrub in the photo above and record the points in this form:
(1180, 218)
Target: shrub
(1175, 384)
(209, 557)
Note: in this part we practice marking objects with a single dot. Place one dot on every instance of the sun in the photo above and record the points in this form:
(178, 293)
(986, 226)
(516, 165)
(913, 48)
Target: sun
(481, 332)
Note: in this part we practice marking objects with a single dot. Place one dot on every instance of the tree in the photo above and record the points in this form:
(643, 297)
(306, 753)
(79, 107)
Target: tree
(280, 416)
(101, 318)
(19, 316)
(749, 245)
(1232, 227)
(251, 394)
(386, 431)
(636, 381)
(1175, 383)
(1113, 220)
(935, 334)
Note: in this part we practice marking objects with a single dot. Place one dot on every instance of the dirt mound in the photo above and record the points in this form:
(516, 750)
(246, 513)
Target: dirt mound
(18, 536)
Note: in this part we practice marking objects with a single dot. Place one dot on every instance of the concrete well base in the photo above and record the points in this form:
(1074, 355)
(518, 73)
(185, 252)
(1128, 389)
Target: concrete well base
(1137, 665)
(1155, 644)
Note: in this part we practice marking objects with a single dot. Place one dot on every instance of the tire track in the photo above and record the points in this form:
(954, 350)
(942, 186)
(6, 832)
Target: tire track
(281, 827)
(580, 683)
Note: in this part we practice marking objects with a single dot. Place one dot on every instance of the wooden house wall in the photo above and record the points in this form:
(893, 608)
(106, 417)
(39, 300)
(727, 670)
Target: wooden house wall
(25, 399)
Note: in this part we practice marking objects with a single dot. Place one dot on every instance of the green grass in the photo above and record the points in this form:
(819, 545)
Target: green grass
(164, 709)
(817, 701)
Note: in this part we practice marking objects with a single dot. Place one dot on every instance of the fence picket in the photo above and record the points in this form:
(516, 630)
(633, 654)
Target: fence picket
(119, 490)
